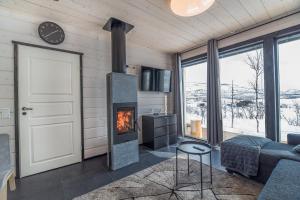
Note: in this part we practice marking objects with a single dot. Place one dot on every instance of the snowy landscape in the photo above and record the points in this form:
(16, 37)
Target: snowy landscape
(242, 109)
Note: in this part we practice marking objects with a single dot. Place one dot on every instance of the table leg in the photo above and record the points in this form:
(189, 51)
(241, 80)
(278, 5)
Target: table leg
(188, 164)
(210, 169)
(201, 176)
(176, 169)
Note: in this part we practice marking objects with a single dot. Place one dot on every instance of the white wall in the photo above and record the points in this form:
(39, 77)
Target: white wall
(95, 44)
(287, 22)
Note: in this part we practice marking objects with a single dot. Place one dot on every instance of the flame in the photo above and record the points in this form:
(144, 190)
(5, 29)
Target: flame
(124, 121)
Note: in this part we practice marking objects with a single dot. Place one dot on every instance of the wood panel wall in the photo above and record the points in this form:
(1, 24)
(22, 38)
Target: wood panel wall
(95, 44)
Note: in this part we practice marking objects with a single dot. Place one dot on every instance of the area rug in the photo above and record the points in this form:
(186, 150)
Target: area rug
(158, 183)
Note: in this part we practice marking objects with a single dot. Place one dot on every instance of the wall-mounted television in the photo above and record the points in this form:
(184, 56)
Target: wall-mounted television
(153, 79)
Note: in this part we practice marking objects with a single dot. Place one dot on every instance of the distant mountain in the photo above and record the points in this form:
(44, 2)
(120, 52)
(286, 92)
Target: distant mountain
(290, 94)
(199, 90)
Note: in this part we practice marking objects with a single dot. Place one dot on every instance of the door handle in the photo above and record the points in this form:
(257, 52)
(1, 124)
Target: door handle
(25, 108)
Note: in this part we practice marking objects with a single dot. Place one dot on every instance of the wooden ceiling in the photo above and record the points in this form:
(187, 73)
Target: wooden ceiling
(156, 26)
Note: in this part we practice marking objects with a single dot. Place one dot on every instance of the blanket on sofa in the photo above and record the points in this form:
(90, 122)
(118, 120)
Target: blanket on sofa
(241, 153)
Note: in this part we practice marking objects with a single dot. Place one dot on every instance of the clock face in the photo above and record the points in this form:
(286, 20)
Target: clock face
(51, 33)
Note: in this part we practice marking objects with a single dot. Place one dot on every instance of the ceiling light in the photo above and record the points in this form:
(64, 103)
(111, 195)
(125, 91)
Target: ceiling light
(187, 8)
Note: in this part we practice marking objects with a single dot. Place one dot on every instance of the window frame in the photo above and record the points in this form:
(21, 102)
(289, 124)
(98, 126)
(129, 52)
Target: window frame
(240, 49)
(196, 60)
(271, 75)
(294, 34)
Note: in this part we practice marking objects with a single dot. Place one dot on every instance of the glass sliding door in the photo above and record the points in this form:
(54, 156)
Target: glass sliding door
(289, 85)
(195, 100)
(242, 92)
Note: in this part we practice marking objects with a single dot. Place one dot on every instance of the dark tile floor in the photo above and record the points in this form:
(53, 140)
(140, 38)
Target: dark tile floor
(74, 180)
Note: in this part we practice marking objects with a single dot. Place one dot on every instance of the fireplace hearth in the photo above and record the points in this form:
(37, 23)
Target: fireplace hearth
(123, 146)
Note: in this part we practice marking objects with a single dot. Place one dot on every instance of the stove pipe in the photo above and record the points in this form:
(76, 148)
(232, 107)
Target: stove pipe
(118, 31)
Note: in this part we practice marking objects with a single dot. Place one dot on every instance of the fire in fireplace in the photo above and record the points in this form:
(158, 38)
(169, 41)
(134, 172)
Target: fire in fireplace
(125, 120)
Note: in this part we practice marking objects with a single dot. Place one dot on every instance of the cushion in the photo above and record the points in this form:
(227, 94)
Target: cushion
(275, 151)
(297, 148)
(293, 139)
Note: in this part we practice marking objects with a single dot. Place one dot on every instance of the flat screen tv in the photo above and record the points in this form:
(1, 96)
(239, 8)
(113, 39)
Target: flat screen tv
(148, 78)
(164, 80)
(153, 79)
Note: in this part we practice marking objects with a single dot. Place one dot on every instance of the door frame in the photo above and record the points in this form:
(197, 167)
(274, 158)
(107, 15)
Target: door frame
(16, 95)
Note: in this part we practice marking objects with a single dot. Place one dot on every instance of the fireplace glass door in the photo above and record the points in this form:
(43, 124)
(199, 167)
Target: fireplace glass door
(125, 120)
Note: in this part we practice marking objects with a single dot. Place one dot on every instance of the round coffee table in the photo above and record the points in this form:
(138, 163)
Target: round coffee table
(194, 148)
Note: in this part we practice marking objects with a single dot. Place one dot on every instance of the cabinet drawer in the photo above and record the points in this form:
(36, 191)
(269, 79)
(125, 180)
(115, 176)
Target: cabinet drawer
(160, 131)
(165, 130)
(160, 142)
(163, 121)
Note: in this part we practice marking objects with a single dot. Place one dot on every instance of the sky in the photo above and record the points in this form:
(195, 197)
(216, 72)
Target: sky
(235, 68)
(231, 68)
(289, 65)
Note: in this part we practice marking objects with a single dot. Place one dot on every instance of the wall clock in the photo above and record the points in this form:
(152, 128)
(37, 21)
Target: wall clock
(51, 33)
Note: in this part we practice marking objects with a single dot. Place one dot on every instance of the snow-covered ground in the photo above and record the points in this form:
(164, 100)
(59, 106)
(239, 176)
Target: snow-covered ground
(248, 126)
(196, 109)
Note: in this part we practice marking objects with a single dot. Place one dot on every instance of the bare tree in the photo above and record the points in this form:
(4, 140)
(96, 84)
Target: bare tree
(203, 109)
(290, 120)
(297, 111)
(225, 109)
(255, 63)
(250, 110)
(244, 104)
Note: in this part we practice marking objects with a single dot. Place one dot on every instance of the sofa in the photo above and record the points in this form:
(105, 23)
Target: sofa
(284, 182)
(6, 170)
(256, 157)
(277, 164)
(272, 153)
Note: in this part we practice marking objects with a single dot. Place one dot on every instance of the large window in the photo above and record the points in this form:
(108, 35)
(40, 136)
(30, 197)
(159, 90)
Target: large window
(195, 100)
(242, 92)
(289, 72)
(245, 83)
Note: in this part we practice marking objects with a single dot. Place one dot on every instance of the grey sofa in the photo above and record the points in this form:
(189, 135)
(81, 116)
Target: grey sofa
(283, 183)
(272, 153)
(278, 165)
(6, 170)
(256, 157)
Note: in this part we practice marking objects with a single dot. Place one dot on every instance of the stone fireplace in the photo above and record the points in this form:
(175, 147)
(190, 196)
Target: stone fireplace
(121, 101)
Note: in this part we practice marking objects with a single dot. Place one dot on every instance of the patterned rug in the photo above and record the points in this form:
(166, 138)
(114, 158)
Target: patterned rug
(157, 183)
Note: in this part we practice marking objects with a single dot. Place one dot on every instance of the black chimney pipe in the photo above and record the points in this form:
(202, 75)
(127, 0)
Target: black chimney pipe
(118, 31)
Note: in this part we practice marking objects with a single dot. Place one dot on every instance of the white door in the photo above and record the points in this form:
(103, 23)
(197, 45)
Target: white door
(49, 109)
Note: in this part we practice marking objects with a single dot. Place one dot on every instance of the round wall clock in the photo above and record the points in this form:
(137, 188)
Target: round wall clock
(51, 33)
